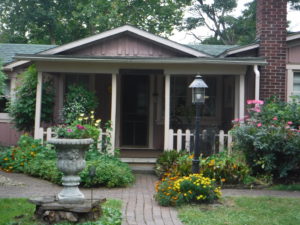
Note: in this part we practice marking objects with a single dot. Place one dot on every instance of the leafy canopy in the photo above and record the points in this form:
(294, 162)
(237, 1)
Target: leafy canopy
(58, 22)
(22, 108)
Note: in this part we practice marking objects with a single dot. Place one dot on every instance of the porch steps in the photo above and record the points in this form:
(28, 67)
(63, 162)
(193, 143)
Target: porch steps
(140, 165)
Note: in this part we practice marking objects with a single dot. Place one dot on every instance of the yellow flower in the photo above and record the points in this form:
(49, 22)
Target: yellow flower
(81, 114)
(92, 112)
(80, 119)
(212, 162)
(5, 159)
(223, 179)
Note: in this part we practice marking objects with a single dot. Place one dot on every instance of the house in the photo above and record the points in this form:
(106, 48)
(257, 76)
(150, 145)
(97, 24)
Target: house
(142, 80)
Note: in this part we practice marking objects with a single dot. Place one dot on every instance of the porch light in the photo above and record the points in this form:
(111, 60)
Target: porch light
(198, 90)
(198, 96)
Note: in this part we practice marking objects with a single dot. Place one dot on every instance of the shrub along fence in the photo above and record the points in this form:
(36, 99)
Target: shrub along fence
(211, 141)
(103, 140)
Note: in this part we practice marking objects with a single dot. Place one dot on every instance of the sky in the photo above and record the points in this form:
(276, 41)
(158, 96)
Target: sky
(185, 38)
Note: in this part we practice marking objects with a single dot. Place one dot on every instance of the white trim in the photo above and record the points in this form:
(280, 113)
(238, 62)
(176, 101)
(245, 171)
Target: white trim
(113, 116)
(290, 83)
(293, 37)
(240, 49)
(5, 118)
(257, 81)
(242, 97)
(236, 96)
(12, 65)
(122, 29)
(38, 105)
(167, 111)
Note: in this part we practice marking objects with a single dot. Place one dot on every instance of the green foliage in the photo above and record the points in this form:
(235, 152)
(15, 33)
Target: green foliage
(224, 168)
(112, 214)
(110, 172)
(59, 22)
(196, 188)
(22, 109)
(165, 161)
(228, 169)
(78, 101)
(2, 80)
(35, 159)
(16, 158)
(270, 138)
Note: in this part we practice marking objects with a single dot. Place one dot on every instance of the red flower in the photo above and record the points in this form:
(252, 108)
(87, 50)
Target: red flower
(80, 127)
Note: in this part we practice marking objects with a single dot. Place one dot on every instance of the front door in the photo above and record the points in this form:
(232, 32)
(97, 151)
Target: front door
(135, 110)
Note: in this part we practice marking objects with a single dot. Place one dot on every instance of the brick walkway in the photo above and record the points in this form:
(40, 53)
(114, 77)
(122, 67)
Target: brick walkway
(139, 207)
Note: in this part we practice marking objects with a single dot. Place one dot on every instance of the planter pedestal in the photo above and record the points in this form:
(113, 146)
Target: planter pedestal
(70, 161)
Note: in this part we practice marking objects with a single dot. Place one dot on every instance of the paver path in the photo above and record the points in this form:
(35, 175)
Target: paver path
(139, 207)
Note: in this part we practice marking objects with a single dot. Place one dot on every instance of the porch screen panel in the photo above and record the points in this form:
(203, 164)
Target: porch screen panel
(182, 111)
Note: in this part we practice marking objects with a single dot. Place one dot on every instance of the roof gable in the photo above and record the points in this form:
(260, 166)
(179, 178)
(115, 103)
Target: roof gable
(126, 45)
(127, 29)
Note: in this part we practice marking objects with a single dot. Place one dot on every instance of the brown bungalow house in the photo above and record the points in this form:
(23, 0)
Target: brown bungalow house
(142, 80)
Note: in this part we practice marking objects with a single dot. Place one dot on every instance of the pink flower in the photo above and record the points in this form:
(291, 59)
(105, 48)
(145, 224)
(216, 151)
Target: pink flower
(259, 125)
(80, 127)
(259, 102)
(290, 123)
(69, 130)
(275, 118)
(236, 120)
(249, 102)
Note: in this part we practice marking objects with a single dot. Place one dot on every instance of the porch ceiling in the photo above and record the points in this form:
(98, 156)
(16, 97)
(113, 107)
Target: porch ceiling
(141, 60)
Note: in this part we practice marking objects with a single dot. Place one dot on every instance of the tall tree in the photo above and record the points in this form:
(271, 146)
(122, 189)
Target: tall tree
(226, 29)
(58, 22)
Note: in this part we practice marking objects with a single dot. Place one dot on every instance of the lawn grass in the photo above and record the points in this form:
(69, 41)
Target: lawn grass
(244, 210)
(20, 212)
(286, 187)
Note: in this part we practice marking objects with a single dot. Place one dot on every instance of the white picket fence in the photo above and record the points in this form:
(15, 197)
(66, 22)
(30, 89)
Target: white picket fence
(46, 134)
(183, 140)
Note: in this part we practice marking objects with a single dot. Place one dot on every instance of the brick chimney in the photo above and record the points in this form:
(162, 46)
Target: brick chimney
(271, 33)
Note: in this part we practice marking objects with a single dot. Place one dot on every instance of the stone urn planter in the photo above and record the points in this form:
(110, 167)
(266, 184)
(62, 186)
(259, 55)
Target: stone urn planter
(70, 161)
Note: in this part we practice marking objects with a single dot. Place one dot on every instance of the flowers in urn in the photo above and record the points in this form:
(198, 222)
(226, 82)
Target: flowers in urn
(83, 127)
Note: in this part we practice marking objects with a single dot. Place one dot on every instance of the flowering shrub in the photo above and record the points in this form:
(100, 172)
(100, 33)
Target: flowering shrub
(228, 169)
(270, 137)
(196, 188)
(78, 101)
(83, 127)
(15, 158)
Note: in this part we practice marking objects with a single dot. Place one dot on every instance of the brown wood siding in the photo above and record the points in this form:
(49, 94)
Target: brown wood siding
(8, 134)
(126, 45)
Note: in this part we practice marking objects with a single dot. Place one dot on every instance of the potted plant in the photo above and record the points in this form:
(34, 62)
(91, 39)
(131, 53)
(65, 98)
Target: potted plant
(71, 143)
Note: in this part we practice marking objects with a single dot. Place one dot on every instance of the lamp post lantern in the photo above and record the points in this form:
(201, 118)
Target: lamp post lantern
(198, 96)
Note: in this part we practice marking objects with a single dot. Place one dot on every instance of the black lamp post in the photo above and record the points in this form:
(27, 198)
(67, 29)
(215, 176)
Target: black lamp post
(198, 96)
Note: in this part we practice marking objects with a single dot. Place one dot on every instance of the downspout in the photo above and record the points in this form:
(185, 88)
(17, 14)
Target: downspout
(257, 80)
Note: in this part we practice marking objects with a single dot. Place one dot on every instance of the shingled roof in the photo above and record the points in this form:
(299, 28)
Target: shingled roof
(8, 51)
(213, 50)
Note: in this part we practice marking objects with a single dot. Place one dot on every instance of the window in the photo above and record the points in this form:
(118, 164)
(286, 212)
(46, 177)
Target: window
(296, 83)
(5, 97)
(77, 79)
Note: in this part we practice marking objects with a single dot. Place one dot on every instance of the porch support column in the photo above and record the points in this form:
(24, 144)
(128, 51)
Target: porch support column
(257, 84)
(113, 115)
(38, 105)
(242, 97)
(167, 112)
(236, 96)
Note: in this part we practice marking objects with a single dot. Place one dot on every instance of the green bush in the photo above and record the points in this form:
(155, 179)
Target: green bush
(224, 168)
(22, 108)
(78, 101)
(35, 159)
(15, 158)
(196, 188)
(165, 161)
(270, 138)
(228, 169)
